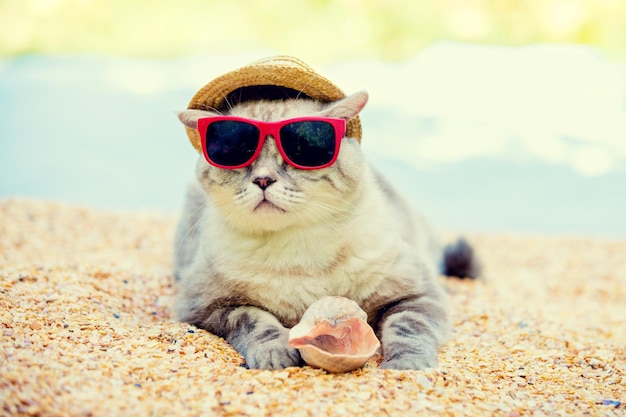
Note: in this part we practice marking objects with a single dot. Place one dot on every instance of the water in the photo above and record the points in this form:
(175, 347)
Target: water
(528, 140)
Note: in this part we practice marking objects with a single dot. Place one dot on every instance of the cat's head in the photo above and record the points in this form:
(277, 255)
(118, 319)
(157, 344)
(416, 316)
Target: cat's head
(271, 195)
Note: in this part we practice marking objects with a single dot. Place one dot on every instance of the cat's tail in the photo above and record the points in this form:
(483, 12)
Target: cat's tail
(460, 260)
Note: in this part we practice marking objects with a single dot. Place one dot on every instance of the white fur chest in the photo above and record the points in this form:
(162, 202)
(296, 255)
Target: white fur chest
(286, 272)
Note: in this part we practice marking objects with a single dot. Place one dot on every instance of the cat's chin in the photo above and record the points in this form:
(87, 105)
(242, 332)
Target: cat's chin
(267, 206)
(265, 217)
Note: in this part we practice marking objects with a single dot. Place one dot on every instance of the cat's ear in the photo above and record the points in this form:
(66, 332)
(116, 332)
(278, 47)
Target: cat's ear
(190, 117)
(347, 108)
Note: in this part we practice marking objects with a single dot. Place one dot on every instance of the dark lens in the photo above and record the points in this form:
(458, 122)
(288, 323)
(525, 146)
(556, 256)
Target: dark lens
(231, 143)
(309, 143)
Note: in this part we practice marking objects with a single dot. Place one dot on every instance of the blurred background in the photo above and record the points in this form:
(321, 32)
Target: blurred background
(317, 30)
(494, 116)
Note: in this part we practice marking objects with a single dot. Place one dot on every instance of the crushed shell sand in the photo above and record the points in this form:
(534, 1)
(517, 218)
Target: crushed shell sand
(86, 330)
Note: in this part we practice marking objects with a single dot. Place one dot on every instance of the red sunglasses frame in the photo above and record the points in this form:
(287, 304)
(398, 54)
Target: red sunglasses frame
(272, 128)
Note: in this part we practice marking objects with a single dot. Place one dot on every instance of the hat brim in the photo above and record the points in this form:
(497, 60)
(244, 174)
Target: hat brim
(280, 71)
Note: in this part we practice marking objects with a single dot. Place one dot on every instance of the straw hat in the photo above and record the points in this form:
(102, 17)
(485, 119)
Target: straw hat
(260, 79)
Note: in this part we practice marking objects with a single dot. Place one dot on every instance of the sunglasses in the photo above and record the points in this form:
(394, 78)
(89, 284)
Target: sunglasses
(232, 142)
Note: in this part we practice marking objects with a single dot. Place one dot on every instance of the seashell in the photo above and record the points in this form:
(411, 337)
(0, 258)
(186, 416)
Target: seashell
(333, 334)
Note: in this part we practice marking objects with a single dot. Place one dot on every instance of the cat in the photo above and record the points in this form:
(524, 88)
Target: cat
(256, 246)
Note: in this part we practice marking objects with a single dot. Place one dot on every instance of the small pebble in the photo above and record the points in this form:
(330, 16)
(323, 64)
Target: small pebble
(614, 403)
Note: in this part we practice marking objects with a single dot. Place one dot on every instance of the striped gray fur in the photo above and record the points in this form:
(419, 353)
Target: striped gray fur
(248, 270)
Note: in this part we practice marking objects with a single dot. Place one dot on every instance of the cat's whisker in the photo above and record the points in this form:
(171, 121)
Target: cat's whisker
(191, 228)
(216, 111)
(320, 213)
(228, 103)
(320, 208)
(353, 207)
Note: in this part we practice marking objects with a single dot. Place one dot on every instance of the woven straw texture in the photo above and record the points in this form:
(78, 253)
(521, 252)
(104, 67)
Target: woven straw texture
(282, 71)
(86, 330)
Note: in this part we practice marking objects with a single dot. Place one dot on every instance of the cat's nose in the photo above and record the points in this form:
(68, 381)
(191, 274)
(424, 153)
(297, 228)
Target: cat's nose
(263, 182)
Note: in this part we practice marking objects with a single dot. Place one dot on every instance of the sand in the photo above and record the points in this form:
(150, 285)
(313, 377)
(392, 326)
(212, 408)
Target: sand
(86, 329)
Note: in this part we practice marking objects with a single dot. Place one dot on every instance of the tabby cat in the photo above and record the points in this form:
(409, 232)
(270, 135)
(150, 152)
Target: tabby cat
(257, 245)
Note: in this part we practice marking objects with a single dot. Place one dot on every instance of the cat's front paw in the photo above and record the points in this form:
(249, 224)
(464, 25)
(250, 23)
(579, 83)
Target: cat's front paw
(408, 362)
(272, 356)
